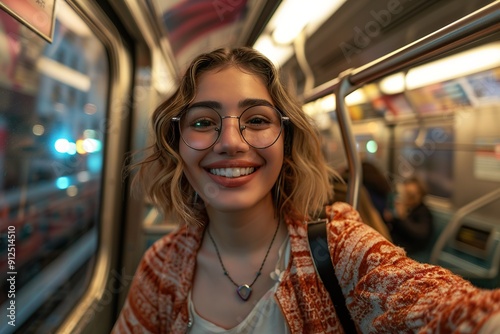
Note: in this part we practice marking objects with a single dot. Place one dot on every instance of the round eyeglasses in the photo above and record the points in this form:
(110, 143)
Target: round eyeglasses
(200, 126)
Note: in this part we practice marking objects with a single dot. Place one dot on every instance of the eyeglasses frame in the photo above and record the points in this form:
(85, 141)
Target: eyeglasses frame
(284, 120)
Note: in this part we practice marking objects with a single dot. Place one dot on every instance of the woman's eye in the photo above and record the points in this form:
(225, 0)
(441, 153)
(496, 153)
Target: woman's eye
(257, 120)
(260, 117)
(203, 124)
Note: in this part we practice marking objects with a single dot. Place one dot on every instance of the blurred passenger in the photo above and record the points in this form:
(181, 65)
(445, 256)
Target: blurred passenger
(411, 224)
(239, 163)
(370, 215)
(372, 197)
(377, 185)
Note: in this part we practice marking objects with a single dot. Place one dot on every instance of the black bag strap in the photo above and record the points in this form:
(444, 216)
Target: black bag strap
(318, 246)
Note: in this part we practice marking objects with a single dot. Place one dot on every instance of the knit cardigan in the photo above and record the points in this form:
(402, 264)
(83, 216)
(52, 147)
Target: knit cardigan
(386, 292)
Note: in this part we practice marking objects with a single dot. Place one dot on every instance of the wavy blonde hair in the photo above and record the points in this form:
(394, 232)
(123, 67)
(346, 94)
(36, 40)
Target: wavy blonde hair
(304, 183)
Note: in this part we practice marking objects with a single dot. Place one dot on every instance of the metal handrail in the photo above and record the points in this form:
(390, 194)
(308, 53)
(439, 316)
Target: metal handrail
(476, 25)
(459, 215)
(355, 169)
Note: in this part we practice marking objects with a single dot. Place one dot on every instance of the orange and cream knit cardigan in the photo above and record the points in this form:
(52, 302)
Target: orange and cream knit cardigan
(386, 292)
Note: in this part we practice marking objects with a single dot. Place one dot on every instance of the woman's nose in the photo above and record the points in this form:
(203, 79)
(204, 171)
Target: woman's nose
(230, 140)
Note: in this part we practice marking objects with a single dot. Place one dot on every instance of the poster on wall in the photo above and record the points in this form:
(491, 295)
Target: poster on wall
(439, 97)
(38, 15)
(486, 86)
(487, 159)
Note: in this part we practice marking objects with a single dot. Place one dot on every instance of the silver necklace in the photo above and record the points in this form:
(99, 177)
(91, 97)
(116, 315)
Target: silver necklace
(244, 290)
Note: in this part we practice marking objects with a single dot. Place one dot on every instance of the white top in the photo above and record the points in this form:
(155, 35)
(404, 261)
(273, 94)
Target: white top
(265, 317)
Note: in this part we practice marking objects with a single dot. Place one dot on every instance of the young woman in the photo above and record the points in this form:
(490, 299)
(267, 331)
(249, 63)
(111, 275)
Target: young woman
(238, 162)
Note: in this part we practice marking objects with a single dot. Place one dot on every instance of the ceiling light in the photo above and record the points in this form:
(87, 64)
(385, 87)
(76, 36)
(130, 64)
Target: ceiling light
(473, 61)
(292, 16)
(277, 54)
(393, 84)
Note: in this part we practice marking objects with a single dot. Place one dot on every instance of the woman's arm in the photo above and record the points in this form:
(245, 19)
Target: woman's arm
(388, 292)
(140, 312)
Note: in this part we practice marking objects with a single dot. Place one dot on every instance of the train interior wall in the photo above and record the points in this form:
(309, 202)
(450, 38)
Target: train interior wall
(455, 152)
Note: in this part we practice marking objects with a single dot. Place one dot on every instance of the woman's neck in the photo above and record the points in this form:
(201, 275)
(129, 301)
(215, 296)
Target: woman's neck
(243, 230)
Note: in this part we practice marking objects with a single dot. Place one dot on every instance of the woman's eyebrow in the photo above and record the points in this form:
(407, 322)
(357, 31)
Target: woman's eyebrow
(254, 102)
(241, 104)
(210, 104)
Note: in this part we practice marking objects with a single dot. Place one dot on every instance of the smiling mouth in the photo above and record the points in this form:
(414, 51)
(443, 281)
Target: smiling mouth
(232, 172)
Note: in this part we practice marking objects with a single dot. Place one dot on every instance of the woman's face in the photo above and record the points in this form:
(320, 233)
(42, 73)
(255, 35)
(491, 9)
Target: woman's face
(412, 195)
(253, 171)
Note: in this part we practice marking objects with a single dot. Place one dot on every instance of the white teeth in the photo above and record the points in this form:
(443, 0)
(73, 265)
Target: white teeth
(232, 172)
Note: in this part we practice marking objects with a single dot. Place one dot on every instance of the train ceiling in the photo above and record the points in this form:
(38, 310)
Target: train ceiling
(357, 31)
(195, 26)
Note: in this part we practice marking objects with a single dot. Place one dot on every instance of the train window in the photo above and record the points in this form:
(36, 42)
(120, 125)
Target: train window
(427, 152)
(52, 107)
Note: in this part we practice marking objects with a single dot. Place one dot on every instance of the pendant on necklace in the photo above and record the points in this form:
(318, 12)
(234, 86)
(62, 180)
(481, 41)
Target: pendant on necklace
(244, 291)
